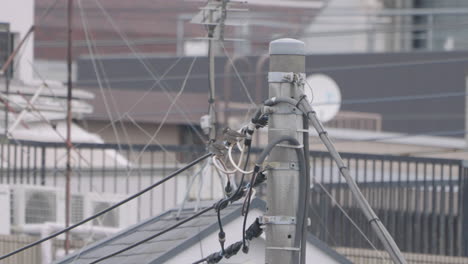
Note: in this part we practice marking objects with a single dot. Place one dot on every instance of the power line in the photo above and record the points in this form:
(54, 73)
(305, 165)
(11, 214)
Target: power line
(310, 70)
(147, 67)
(172, 227)
(136, 195)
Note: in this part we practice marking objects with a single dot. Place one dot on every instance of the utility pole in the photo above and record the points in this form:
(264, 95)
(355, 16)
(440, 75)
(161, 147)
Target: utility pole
(69, 123)
(282, 247)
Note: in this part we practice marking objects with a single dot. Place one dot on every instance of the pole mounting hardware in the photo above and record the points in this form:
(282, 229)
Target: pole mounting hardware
(286, 77)
(277, 220)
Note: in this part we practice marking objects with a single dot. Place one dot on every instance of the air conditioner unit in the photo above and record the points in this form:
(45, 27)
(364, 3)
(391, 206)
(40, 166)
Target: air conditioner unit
(39, 204)
(121, 217)
(31, 204)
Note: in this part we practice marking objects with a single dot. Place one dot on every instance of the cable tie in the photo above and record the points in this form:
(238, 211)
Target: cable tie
(376, 219)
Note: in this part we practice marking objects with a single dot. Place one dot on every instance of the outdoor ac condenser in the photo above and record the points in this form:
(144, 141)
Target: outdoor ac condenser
(33, 204)
(120, 217)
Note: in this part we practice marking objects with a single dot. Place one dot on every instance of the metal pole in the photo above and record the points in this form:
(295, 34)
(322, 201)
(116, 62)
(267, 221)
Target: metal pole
(211, 77)
(282, 247)
(466, 110)
(69, 123)
(6, 74)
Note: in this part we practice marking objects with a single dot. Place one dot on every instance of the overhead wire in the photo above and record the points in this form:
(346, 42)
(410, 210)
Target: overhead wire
(162, 232)
(147, 67)
(246, 90)
(222, 202)
(90, 46)
(139, 193)
(338, 204)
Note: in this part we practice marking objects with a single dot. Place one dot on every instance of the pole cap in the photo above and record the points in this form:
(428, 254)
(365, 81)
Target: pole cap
(287, 46)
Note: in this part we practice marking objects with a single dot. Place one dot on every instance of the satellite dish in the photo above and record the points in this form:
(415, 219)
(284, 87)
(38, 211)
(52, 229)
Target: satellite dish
(326, 96)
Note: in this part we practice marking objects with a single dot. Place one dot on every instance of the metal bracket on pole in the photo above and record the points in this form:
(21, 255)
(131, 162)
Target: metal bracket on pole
(282, 166)
(277, 220)
(286, 77)
(284, 248)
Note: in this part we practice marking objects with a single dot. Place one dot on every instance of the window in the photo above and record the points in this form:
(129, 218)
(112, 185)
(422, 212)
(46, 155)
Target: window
(6, 45)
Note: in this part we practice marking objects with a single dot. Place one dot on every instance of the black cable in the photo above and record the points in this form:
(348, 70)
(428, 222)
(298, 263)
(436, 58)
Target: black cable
(302, 171)
(245, 249)
(305, 141)
(155, 235)
(224, 203)
(254, 231)
(191, 164)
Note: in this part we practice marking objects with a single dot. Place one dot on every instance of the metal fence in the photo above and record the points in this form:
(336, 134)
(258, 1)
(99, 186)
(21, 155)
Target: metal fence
(421, 201)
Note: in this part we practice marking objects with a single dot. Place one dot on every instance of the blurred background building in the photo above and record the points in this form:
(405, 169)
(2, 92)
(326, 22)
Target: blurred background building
(399, 67)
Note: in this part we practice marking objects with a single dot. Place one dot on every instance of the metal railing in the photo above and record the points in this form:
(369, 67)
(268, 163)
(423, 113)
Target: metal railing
(422, 201)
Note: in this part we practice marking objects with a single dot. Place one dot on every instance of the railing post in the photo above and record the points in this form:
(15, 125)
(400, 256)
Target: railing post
(43, 164)
(464, 208)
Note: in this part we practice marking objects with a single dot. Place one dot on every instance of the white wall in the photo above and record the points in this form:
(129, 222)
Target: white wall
(233, 231)
(20, 15)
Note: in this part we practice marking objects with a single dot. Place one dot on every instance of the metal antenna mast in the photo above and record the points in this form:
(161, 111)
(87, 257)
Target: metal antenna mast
(213, 16)
(69, 123)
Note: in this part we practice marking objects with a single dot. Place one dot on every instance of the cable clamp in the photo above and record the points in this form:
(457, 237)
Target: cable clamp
(284, 248)
(376, 219)
(290, 130)
(286, 77)
(277, 220)
(291, 146)
(282, 166)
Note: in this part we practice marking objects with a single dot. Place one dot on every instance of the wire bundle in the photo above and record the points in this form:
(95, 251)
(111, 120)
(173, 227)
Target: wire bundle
(254, 231)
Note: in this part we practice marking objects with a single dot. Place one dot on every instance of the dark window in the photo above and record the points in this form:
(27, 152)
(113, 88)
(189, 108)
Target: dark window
(6, 46)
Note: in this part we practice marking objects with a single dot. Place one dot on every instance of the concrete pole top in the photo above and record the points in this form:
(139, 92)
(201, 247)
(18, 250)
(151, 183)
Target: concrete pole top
(287, 46)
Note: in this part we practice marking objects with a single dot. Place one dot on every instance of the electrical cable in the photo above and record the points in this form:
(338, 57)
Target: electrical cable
(223, 167)
(302, 171)
(254, 231)
(245, 248)
(240, 160)
(305, 141)
(231, 199)
(151, 71)
(219, 205)
(170, 176)
(155, 235)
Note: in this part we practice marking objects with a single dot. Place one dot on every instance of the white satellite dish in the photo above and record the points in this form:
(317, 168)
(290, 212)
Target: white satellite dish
(326, 97)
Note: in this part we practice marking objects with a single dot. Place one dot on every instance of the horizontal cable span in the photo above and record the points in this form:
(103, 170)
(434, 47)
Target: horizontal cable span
(155, 235)
(175, 173)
